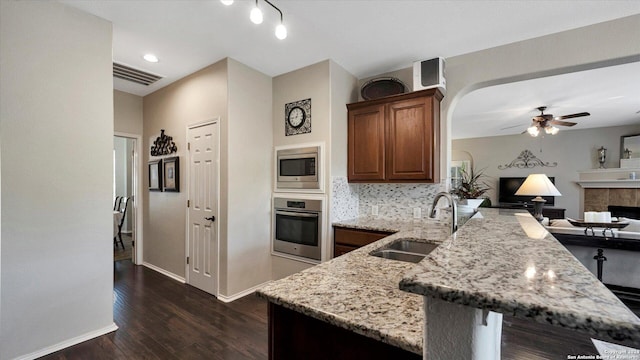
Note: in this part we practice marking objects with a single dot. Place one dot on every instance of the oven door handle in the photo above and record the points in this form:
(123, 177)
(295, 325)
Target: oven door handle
(299, 214)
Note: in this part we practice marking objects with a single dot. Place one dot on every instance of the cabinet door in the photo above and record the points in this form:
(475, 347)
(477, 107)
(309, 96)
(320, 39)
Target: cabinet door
(410, 141)
(356, 238)
(366, 144)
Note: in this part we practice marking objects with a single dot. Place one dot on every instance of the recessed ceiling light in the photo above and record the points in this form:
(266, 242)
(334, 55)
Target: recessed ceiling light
(227, 2)
(150, 58)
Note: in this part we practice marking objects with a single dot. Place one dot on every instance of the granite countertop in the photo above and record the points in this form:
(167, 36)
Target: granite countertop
(508, 263)
(359, 292)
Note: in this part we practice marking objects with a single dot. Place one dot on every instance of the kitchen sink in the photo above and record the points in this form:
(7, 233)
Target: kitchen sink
(405, 250)
(411, 246)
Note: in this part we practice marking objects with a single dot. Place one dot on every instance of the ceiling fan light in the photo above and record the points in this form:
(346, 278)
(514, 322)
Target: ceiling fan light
(554, 130)
(533, 131)
(281, 31)
(256, 15)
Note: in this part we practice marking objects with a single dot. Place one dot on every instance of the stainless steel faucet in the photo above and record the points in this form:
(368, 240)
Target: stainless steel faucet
(454, 210)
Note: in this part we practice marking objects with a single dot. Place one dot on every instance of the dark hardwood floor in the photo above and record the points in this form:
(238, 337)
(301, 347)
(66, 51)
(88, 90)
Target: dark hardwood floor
(159, 318)
(123, 254)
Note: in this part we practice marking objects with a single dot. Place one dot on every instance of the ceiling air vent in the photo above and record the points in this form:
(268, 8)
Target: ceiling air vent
(137, 76)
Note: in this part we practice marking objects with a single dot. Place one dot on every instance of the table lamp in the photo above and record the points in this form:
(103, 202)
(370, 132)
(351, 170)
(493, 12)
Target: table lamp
(538, 185)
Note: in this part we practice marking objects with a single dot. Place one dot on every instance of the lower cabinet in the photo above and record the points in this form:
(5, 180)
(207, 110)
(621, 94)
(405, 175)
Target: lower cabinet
(295, 336)
(345, 239)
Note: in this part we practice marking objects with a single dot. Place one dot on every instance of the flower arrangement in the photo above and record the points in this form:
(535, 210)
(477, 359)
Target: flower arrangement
(471, 184)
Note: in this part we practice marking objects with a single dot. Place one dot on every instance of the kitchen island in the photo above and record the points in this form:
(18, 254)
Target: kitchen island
(359, 292)
(506, 263)
(483, 266)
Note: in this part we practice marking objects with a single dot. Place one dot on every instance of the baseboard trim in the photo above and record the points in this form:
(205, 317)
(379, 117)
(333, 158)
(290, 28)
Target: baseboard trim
(164, 272)
(68, 343)
(236, 296)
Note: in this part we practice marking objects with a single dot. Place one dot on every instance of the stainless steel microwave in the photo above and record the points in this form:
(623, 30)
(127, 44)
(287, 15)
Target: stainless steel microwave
(298, 168)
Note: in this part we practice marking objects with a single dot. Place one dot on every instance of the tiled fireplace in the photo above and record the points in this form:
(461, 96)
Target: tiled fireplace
(598, 199)
(604, 187)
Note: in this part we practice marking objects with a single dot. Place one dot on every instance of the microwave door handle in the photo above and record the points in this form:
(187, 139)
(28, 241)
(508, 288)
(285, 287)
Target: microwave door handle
(299, 214)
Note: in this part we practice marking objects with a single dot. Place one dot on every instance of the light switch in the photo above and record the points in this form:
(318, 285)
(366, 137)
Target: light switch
(374, 209)
(417, 213)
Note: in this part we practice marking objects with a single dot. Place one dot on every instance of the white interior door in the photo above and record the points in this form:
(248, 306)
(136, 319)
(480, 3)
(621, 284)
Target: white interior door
(202, 232)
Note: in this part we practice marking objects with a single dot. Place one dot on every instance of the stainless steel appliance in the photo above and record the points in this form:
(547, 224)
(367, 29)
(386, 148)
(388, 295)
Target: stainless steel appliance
(298, 168)
(298, 227)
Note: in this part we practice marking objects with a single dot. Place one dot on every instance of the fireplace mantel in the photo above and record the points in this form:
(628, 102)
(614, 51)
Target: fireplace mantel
(616, 178)
(609, 184)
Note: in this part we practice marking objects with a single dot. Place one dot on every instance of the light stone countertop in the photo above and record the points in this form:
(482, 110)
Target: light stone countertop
(485, 265)
(359, 292)
(508, 263)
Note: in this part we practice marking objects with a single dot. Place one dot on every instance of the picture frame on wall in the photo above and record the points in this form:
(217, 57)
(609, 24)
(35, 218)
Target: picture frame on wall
(155, 175)
(171, 174)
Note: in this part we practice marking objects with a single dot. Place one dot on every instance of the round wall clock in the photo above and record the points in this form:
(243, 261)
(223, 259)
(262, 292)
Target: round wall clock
(296, 117)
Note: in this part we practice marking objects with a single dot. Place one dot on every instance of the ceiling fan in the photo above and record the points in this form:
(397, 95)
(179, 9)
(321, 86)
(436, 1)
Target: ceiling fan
(546, 121)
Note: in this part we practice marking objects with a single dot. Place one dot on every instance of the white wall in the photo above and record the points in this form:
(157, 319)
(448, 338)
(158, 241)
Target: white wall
(127, 116)
(572, 150)
(344, 90)
(248, 259)
(57, 151)
(312, 82)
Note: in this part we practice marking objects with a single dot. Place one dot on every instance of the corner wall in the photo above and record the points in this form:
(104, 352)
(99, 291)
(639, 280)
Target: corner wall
(127, 113)
(57, 160)
(312, 82)
(250, 147)
(198, 97)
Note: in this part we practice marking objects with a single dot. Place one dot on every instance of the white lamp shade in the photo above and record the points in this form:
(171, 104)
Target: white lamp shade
(537, 185)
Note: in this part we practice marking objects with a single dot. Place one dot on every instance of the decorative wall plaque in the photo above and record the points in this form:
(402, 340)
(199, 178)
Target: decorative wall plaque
(297, 117)
(163, 145)
(526, 160)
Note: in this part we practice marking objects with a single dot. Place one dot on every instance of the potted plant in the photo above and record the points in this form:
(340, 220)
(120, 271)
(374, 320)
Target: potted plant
(471, 187)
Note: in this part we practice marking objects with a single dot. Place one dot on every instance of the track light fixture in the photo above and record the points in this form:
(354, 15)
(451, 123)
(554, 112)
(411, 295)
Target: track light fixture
(281, 30)
(257, 17)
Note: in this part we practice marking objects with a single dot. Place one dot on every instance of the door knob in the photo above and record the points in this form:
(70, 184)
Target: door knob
(212, 218)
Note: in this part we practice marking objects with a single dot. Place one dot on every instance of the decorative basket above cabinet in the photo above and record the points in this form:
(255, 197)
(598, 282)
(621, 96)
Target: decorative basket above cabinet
(395, 139)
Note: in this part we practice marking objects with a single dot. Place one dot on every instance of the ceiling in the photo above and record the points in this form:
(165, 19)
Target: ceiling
(365, 37)
(611, 95)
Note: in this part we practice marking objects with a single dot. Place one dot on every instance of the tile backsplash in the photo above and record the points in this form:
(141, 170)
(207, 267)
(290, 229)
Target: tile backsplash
(394, 201)
(344, 200)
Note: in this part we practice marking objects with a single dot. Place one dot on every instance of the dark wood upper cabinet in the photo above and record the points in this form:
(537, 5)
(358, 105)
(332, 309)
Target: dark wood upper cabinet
(395, 139)
(366, 139)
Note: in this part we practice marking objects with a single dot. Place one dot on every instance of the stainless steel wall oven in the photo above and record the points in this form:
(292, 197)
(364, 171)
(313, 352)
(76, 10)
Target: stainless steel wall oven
(298, 227)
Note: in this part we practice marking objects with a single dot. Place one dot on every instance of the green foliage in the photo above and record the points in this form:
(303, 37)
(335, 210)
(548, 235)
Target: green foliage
(472, 185)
